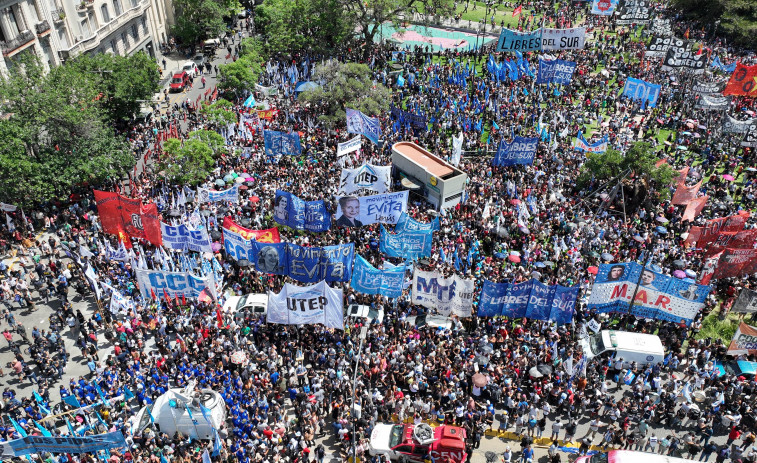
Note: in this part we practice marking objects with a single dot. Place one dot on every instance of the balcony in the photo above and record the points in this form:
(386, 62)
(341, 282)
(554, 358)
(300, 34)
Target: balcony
(90, 43)
(11, 46)
(42, 27)
(59, 15)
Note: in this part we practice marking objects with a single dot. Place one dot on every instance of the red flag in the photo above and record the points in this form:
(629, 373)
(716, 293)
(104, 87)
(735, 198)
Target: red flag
(693, 209)
(743, 81)
(686, 34)
(517, 11)
(165, 295)
(219, 317)
(126, 217)
(270, 235)
(152, 294)
(183, 299)
(684, 194)
(700, 49)
(702, 236)
(176, 297)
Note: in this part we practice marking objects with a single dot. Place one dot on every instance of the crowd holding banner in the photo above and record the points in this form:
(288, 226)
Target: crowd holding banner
(367, 279)
(356, 211)
(448, 296)
(530, 299)
(293, 212)
(314, 304)
(205, 195)
(366, 179)
(520, 151)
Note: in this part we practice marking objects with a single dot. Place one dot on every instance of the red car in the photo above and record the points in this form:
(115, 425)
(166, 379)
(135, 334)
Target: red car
(179, 81)
(406, 442)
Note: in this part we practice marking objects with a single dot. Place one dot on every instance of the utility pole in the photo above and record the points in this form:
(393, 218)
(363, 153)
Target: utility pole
(363, 334)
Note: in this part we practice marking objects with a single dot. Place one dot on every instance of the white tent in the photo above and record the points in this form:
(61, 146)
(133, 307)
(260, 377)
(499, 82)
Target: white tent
(179, 410)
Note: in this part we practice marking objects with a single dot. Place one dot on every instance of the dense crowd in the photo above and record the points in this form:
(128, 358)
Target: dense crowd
(297, 384)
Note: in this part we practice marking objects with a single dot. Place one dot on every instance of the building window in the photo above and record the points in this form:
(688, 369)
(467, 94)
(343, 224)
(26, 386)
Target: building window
(105, 13)
(117, 7)
(15, 27)
(125, 40)
(134, 32)
(144, 25)
(113, 47)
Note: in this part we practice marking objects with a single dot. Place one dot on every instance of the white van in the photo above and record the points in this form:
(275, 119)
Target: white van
(644, 349)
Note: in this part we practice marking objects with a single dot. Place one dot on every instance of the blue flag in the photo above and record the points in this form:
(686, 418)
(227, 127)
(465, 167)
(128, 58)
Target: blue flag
(42, 429)
(72, 401)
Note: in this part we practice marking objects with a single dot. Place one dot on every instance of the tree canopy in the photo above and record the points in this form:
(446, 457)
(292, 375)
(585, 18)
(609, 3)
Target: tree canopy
(56, 135)
(637, 165)
(346, 85)
(200, 19)
(188, 162)
(121, 80)
(736, 18)
(243, 73)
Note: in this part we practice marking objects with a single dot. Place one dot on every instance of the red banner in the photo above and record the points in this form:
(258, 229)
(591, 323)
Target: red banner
(742, 239)
(681, 178)
(694, 207)
(270, 235)
(743, 81)
(728, 262)
(702, 236)
(684, 194)
(126, 217)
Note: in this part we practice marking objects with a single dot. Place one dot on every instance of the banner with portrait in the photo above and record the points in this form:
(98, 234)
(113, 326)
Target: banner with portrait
(657, 295)
(293, 212)
(356, 211)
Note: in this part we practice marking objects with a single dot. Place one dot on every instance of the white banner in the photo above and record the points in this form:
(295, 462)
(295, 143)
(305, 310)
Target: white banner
(356, 211)
(208, 196)
(7, 207)
(365, 180)
(457, 149)
(174, 284)
(309, 305)
(349, 146)
(183, 238)
(448, 296)
(563, 39)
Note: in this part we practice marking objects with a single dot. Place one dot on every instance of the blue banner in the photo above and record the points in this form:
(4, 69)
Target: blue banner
(583, 145)
(61, 445)
(173, 284)
(182, 238)
(303, 264)
(531, 299)
(555, 71)
(359, 123)
(520, 151)
(603, 7)
(211, 196)
(657, 295)
(293, 212)
(510, 40)
(367, 279)
(279, 143)
(417, 121)
(408, 245)
(640, 90)
(407, 223)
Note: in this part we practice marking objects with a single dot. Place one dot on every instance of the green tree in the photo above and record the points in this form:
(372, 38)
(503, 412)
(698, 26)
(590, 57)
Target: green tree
(122, 81)
(346, 85)
(737, 18)
(369, 15)
(292, 26)
(636, 168)
(219, 112)
(56, 135)
(214, 140)
(240, 75)
(189, 162)
(199, 19)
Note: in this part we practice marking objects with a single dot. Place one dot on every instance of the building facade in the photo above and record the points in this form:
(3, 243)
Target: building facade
(58, 30)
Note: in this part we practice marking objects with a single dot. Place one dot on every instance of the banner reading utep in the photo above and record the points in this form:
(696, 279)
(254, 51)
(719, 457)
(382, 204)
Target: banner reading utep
(270, 235)
(309, 305)
(407, 223)
(510, 40)
(66, 444)
(182, 238)
(356, 211)
(367, 279)
(448, 296)
(407, 244)
(126, 217)
(293, 212)
(303, 264)
(520, 151)
(702, 236)
(744, 342)
(563, 39)
(531, 299)
(173, 283)
(365, 180)
(657, 295)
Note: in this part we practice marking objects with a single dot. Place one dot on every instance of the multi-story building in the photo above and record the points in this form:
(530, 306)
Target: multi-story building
(58, 30)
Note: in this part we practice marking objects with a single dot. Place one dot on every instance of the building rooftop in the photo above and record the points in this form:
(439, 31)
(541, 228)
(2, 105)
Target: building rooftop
(423, 158)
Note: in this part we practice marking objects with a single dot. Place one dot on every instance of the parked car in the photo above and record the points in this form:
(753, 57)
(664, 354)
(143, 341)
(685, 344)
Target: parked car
(179, 81)
(199, 60)
(190, 68)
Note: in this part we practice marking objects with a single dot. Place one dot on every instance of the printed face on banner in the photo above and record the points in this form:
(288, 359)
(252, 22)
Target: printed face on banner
(356, 211)
(293, 212)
